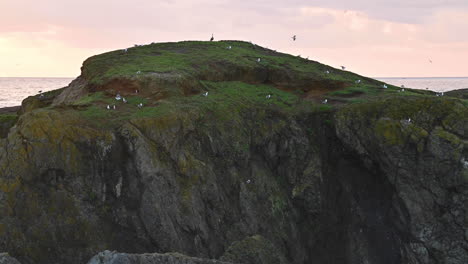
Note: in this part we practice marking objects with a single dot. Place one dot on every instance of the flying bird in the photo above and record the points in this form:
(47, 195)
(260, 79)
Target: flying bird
(212, 37)
(294, 38)
(343, 68)
(430, 60)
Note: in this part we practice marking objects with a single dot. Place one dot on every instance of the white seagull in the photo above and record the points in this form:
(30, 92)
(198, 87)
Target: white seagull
(268, 96)
(327, 72)
(248, 181)
(125, 50)
(384, 86)
(124, 100)
(140, 105)
(325, 101)
(258, 60)
(229, 47)
(205, 94)
(118, 97)
(138, 72)
(113, 107)
(358, 81)
(108, 107)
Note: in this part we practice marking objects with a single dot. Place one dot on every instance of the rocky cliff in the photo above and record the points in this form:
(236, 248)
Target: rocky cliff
(219, 155)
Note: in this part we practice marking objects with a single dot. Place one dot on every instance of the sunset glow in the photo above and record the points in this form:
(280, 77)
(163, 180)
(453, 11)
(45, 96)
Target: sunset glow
(374, 38)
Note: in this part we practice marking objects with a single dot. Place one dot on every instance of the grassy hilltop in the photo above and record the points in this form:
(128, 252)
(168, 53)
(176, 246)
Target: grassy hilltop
(171, 77)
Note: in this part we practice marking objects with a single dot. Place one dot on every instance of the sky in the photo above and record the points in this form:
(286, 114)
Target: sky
(376, 38)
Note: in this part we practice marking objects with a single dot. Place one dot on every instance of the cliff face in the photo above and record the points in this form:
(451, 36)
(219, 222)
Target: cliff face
(233, 175)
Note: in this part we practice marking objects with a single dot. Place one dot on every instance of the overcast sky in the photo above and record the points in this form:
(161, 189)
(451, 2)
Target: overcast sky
(377, 38)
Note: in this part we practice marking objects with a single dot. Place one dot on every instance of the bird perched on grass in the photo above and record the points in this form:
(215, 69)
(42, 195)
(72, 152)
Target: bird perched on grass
(124, 100)
(384, 86)
(325, 101)
(205, 94)
(358, 81)
(140, 105)
(229, 47)
(259, 60)
(268, 96)
(108, 107)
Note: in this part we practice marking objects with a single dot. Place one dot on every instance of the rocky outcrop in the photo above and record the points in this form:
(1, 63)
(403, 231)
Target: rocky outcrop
(235, 175)
(418, 148)
(6, 259)
(108, 257)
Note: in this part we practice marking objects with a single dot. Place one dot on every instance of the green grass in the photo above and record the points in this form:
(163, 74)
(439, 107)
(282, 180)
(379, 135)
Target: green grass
(7, 118)
(91, 98)
(194, 57)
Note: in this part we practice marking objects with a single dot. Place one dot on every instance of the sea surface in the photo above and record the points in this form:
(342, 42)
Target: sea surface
(13, 90)
(436, 84)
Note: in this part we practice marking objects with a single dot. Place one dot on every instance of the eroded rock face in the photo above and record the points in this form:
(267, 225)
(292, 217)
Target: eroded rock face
(363, 185)
(108, 257)
(422, 163)
(6, 259)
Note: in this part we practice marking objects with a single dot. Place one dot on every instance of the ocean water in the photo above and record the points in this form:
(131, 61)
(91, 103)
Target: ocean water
(14, 90)
(436, 84)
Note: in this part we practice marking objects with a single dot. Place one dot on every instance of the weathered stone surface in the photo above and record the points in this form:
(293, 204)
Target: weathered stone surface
(422, 162)
(7, 259)
(108, 257)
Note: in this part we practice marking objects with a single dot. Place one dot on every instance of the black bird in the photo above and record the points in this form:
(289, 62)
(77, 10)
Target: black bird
(294, 38)
(212, 38)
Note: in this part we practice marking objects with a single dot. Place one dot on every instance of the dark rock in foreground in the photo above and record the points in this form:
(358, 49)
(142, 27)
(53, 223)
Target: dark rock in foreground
(108, 257)
(7, 259)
